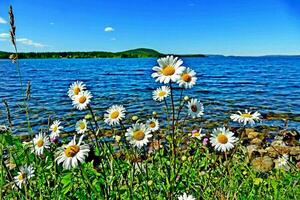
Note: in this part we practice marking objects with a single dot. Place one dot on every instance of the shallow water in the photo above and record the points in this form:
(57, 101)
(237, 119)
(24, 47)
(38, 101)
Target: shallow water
(266, 84)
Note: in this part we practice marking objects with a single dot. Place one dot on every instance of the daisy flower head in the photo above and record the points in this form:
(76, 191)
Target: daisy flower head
(138, 135)
(55, 128)
(75, 88)
(82, 100)
(161, 93)
(153, 124)
(195, 108)
(81, 126)
(187, 78)
(40, 142)
(222, 139)
(197, 134)
(73, 153)
(169, 69)
(25, 173)
(3, 128)
(246, 118)
(186, 197)
(114, 115)
(282, 162)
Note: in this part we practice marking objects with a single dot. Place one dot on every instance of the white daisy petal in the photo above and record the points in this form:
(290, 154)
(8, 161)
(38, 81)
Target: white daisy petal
(222, 139)
(73, 153)
(169, 68)
(114, 115)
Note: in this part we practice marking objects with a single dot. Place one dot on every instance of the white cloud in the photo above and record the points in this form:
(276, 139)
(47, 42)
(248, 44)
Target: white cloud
(51, 23)
(109, 29)
(4, 35)
(113, 39)
(2, 21)
(25, 41)
(29, 42)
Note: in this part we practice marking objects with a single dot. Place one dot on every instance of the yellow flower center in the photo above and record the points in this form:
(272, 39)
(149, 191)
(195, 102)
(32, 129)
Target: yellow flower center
(72, 150)
(82, 99)
(246, 115)
(196, 134)
(82, 125)
(138, 135)
(222, 138)
(152, 124)
(40, 143)
(194, 108)
(162, 93)
(55, 128)
(168, 70)
(76, 90)
(21, 176)
(114, 114)
(186, 77)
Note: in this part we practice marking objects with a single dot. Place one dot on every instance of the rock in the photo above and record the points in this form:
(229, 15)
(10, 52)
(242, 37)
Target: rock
(275, 151)
(295, 150)
(277, 142)
(263, 164)
(251, 150)
(256, 141)
(253, 134)
(249, 130)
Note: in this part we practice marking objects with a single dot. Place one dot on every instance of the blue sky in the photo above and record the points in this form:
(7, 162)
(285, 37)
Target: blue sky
(229, 27)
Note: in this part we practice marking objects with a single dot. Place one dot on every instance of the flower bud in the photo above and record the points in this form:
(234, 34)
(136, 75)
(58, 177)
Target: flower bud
(186, 98)
(183, 158)
(88, 116)
(117, 138)
(150, 182)
(154, 113)
(135, 118)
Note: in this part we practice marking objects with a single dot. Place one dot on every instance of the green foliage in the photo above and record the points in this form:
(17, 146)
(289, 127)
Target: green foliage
(134, 53)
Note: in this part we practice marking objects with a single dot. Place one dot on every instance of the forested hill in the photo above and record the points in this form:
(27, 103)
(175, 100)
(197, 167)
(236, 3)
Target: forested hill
(134, 53)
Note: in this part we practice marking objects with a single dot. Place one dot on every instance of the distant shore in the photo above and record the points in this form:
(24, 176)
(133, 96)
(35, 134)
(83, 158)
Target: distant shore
(134, 53)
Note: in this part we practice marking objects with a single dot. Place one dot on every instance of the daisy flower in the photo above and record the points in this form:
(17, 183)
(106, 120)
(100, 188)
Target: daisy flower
(169, 69)
(82, 100)
(81, 126)
(3, 128)
(138, 135)
(195, 108)
(153, 124)
(187, 78)
(75, 88)
(197, 134)
(55, 129)
(73, 153)
(246, 118)
(282, 162)
(114, 114)
(25, 173)
(161, 93)
(222, 139)
(186, 197)
(40, 142)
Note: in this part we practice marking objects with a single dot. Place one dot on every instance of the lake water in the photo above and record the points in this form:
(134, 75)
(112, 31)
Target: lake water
(266, 84)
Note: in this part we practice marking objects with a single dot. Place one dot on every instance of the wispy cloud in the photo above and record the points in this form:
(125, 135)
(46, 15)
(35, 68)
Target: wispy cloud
(51, 23)
(4, 35)
(113, 39)
(2, 21)
(29, 42)
(109, 29)
(24, 41)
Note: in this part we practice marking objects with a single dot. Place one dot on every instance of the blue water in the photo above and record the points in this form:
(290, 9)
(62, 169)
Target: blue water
(266, 84)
